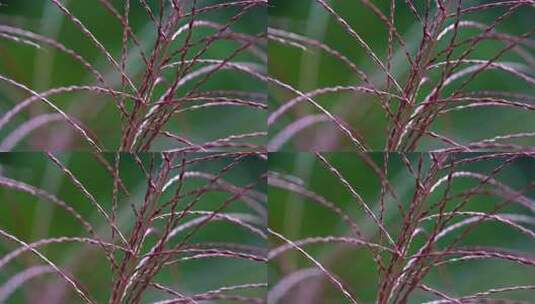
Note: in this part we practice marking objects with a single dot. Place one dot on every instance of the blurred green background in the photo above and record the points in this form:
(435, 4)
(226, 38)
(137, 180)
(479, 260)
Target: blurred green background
(297, 217)
(46, 68)
(31, 219)
(312, 69)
